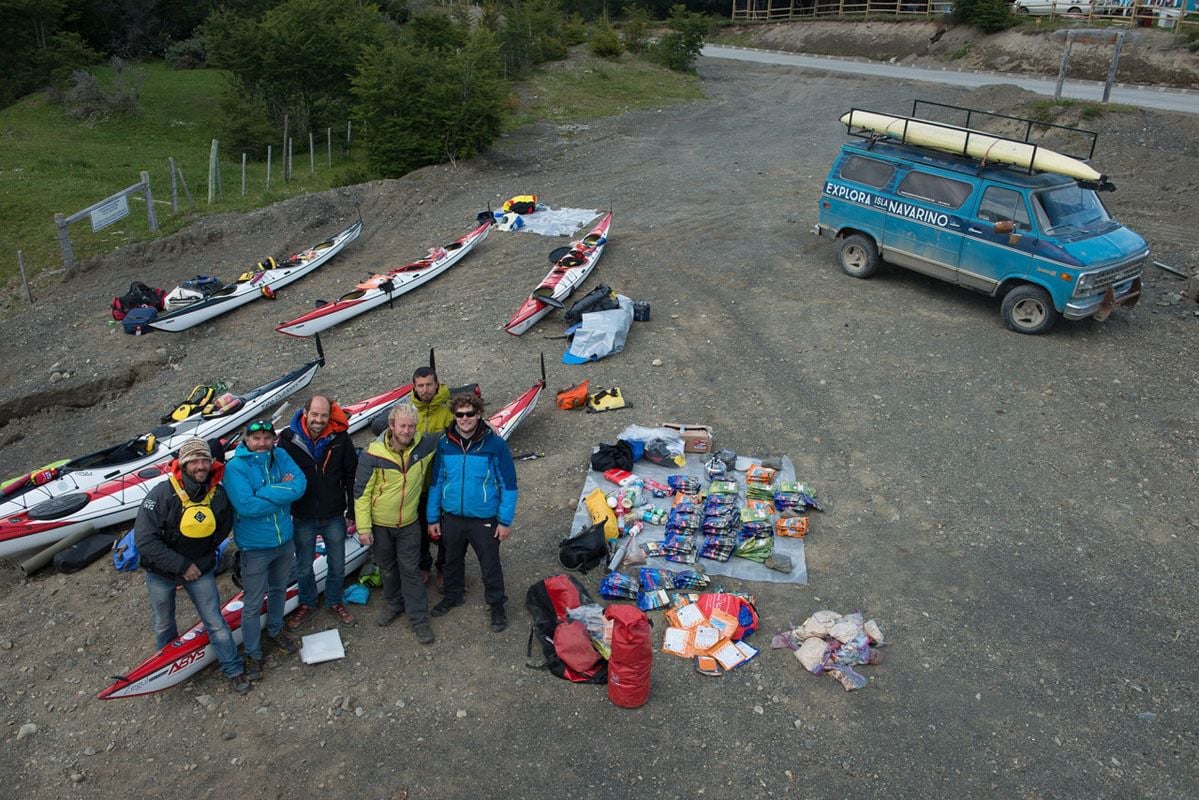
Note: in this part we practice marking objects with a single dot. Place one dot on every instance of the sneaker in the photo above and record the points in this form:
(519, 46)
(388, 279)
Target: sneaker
(424, 634)
(443, 607)
(240, 683)
(343, 614)
(387, 616)
(283, 643)
(299, 617)
(253, 668)
(499, 618)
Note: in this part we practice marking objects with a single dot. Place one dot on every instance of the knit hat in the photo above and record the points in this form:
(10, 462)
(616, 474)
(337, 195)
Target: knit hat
(193, 449)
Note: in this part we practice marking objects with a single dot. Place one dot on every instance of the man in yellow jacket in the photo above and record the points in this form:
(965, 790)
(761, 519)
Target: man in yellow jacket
(387, 493)
(432, 402)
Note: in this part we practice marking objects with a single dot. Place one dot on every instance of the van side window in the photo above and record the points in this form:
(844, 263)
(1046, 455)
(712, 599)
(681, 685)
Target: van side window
(934, 189)
(999, 204)
(868, 171)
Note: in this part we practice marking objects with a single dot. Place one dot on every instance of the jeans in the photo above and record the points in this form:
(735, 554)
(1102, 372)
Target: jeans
(264, 572)
(207, 599)
(333, 531)
(458, 532)
(396, 551)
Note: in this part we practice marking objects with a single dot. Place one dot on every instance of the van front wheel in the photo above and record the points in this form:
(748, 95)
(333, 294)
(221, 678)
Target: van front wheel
(858, 255)
(1029, 309)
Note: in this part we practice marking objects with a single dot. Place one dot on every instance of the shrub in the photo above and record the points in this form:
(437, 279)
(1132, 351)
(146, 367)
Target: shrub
(989, 16)
(574, 30)
(86, 100)
(635, 31)
(188, 54)
(678, 49)
(604, 42)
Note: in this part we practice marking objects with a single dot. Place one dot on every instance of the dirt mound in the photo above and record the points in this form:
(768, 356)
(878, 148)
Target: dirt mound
(1149, 57)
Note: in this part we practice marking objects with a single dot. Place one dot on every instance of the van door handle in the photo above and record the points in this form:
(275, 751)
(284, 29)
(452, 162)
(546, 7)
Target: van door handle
(973, 229)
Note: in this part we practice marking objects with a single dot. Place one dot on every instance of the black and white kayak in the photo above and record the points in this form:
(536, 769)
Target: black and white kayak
(386, 286)
(192, 651)
(264, 281)
(40, 514)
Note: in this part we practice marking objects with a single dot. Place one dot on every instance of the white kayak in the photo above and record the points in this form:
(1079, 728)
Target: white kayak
(34, 517)
(262, 282)
(385, 287)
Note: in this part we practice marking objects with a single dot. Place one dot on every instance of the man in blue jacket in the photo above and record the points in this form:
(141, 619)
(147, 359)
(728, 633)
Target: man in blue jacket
(472, 501)
(262, 482)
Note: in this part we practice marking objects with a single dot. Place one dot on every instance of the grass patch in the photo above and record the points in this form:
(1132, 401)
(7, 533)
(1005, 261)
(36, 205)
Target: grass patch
(584, 87)
(53, 164)
(1049, 110)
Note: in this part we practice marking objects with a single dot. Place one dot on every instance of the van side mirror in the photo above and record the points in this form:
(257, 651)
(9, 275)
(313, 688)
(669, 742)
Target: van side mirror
(1005, 226)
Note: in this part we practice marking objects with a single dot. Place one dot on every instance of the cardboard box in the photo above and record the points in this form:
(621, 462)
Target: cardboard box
(696, 438)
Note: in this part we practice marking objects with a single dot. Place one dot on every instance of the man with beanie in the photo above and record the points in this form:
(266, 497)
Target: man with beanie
(472, 502)
(391, 475)
(179, 527)
(263, 481)
(318, 442)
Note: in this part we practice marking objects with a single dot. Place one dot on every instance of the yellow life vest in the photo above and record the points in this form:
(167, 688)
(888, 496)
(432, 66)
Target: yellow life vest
(521, 204)
(198, 520)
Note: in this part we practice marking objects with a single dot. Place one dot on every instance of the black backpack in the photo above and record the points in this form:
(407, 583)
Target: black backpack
(601, 298)
(547, 602)
(585, 550)
(139, 294)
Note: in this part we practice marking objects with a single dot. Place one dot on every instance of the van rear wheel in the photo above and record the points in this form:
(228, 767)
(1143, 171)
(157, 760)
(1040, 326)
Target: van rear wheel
(1029, 309)
(858, 256)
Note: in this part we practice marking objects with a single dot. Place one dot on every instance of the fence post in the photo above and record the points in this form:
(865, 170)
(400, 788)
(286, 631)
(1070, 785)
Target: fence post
(1061, 74)
(212, 169)
(329, 145)
(286, 149)
(150, 212)
(24, 280)
(64, 243)
(1111, 70)
(243, 174)
(349, 129)
(268, 166)
(174, 188)
(290, 162)
(311, 154)
(186, 191)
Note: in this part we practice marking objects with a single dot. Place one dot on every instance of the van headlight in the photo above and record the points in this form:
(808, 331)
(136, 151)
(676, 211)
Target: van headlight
(1085, 283)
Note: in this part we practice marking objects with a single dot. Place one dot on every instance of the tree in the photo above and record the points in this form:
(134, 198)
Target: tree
(678, 49)
(427, 105)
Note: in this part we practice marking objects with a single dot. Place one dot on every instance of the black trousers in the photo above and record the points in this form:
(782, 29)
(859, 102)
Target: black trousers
(426, 544)
(458, 532)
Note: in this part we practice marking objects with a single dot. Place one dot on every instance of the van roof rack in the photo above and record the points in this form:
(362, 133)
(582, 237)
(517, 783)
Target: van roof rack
(968, 119)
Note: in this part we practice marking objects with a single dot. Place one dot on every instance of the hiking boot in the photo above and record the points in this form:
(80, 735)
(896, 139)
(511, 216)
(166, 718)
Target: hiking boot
(499, 618)
(443, 607)
(283, 643)
(300, 616)
(387, 616)
(424, 634)
(240, 683)
(343, 614)
(253, 668)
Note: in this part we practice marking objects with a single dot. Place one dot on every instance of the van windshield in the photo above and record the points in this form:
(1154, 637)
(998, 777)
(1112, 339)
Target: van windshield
(1070, 207)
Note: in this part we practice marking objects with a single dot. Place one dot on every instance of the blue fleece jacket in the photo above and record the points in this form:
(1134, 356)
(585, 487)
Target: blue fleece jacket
(473, 477)
(261, 498)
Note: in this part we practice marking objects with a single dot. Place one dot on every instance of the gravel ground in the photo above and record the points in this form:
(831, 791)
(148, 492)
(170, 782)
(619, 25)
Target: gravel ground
(1014, 511)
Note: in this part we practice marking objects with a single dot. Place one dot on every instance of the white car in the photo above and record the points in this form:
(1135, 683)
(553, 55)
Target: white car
(1046, 7)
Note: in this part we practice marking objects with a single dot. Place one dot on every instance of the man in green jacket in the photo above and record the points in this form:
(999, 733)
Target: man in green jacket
(432, 402)
(387, 494)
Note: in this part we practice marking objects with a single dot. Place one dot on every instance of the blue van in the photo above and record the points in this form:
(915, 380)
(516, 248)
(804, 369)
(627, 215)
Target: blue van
(1043, 242)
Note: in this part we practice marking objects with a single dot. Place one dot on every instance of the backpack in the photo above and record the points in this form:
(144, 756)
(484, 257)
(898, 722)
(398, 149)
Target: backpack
(139, 294)
(137, 320)
(124, 553)
(82, 553)
(547, 602)
(585, 550)
(601, 298)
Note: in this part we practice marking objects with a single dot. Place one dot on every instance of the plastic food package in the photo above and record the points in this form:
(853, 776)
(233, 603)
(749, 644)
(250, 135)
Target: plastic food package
(794, 527)
(618, 586)
(820, 623)
(811, 654)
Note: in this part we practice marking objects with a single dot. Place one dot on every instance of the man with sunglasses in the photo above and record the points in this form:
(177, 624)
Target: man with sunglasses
(263, 481)
(317, 440)
(472, 502)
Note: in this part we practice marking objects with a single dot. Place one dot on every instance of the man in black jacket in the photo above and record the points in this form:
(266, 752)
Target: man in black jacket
(179, 527)
(318, 441)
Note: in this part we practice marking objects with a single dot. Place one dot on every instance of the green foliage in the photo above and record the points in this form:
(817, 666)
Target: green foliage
(87, 101)
(678, 49)
(635, 30)
(188, 54)
(529, 33)
(435, 31)
(604, 41)
(574, 30)
(298, 59)
(425, 106)
(989, 16)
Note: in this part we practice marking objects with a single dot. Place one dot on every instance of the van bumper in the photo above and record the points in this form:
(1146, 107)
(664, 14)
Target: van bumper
(1100, 306)
(824, 230)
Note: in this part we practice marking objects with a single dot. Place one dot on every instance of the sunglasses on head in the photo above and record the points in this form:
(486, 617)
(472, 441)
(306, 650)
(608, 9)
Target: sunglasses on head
(260, 425)
(470, 413)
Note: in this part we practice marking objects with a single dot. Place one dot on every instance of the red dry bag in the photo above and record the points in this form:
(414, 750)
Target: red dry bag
(631, 658)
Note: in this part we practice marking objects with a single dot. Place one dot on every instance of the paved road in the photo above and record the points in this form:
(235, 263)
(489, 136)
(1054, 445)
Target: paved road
(1144, 97)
